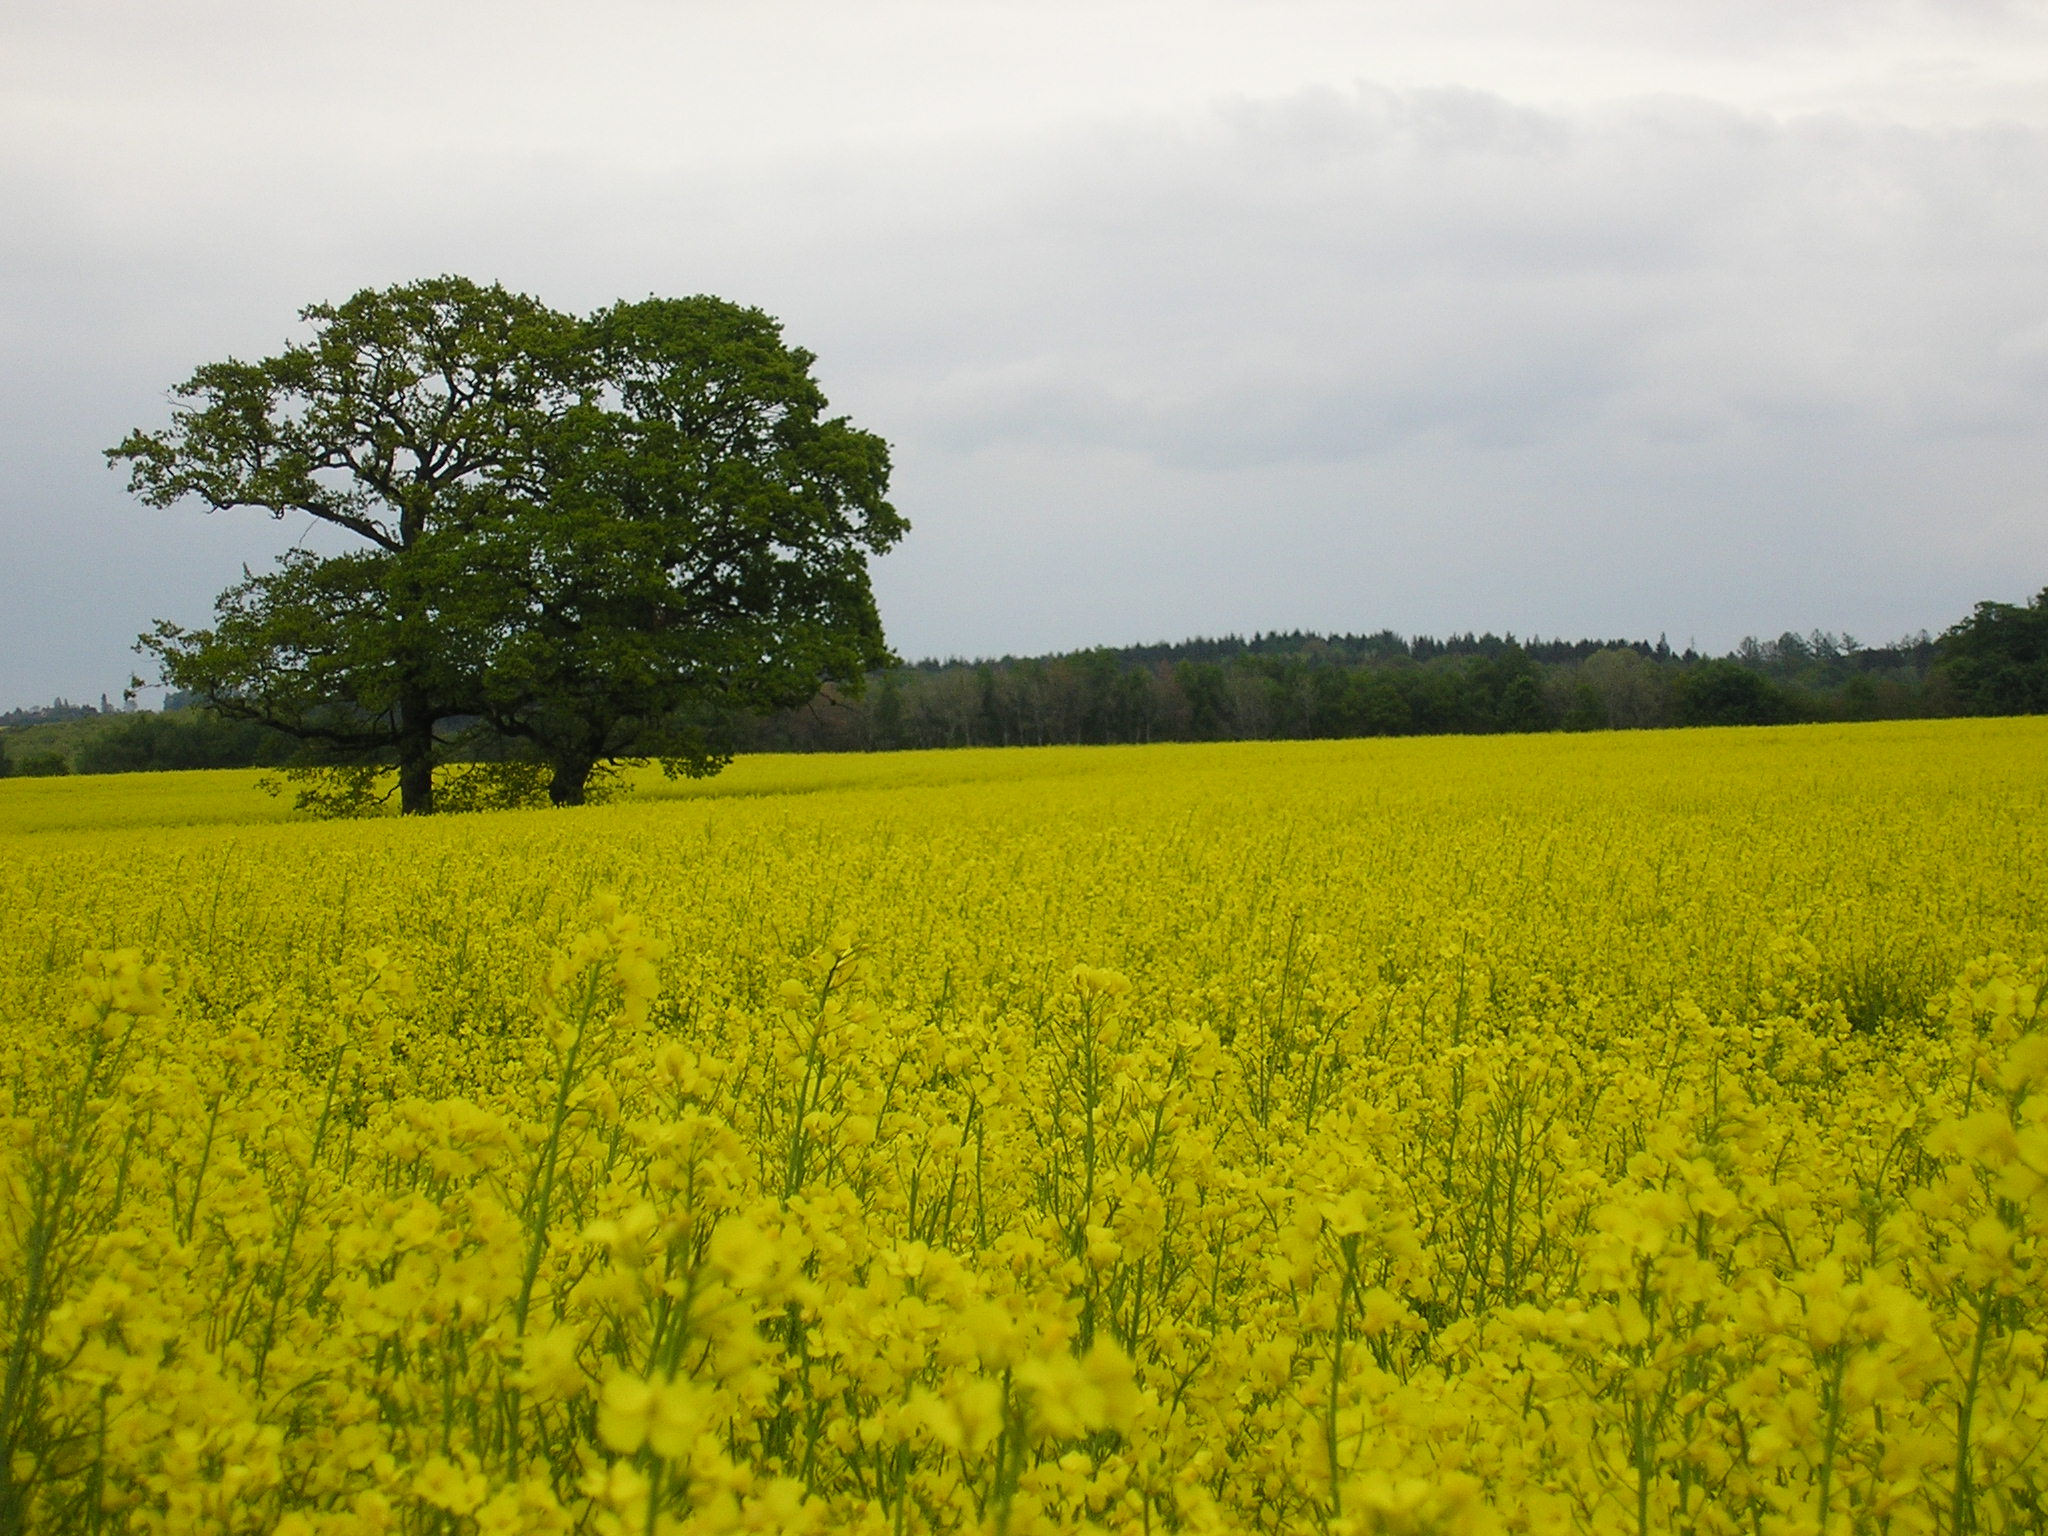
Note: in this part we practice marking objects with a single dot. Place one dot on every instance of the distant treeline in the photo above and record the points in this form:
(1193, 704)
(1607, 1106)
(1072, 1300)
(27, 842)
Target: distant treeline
(134, 742)
(1298, 686)
(1304, 686)
(54, 713)
(1282, 686)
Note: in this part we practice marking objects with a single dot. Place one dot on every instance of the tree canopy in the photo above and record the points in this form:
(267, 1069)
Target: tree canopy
(591, 538)
(1997, 658)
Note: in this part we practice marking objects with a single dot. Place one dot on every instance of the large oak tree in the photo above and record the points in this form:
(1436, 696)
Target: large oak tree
(601, 537)
(698, 546)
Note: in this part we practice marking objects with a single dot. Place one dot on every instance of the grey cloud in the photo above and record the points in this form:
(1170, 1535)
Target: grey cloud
(1320, 277)
(1338, 357)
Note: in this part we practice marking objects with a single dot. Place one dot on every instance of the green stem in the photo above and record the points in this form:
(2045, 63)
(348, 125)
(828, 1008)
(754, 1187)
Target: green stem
(1348, 1245)
(1961, 1501)
(540, 1195)
(1834, 1433)
(291, 1229)
(55, 1186)
(184, 1228)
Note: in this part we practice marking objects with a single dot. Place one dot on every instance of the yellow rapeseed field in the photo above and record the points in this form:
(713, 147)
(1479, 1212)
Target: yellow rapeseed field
(1620, 1133)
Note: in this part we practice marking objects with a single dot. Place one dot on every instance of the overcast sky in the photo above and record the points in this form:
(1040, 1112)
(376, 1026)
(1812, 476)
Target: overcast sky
(1577, 318)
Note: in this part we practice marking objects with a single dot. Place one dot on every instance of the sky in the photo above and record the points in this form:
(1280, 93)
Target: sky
(1703, 318)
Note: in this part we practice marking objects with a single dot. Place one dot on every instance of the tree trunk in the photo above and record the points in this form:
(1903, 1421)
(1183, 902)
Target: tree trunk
(415, 758)
(571, 775)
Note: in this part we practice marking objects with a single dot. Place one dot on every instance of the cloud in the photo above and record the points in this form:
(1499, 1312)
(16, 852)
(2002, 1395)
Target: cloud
(1700, 319)
(1322, 276)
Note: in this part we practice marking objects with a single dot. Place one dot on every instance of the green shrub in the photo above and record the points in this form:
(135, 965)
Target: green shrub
(1727, 693)
(42, 765)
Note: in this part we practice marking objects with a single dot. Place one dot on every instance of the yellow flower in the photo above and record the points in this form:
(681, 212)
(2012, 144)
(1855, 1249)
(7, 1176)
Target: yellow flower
(553, 1372)
(666, 1415)
(446, 1486)
(1091, 981)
